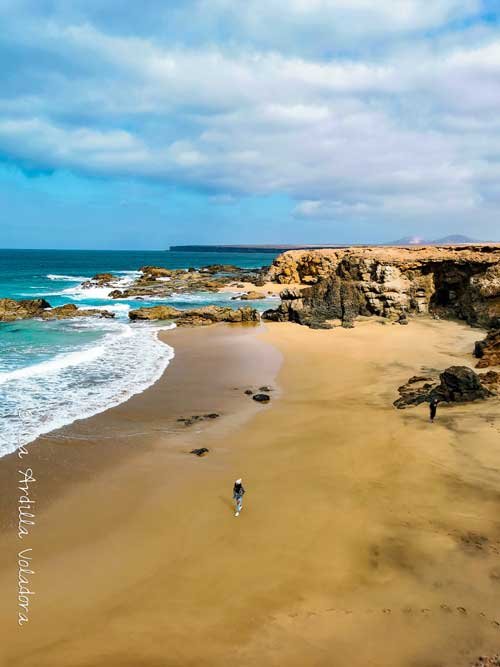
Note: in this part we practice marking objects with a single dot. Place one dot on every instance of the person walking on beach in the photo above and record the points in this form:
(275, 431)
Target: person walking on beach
(433, 408)
(238, 491)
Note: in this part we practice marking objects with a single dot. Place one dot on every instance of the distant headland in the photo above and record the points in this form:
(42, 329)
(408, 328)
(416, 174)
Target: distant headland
(452, 239)
(249, 248)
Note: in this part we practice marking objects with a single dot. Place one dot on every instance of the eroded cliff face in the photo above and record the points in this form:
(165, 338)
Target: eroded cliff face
(460, 282)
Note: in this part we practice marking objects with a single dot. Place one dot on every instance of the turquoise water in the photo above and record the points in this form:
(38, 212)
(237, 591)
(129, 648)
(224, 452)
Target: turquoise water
(52, 373)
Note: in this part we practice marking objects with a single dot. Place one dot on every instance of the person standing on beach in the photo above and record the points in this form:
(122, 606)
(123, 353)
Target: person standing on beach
(433, 408)
(238, 491)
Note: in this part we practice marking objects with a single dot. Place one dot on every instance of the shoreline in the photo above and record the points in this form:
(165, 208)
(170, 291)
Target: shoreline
(125, 430)
(362, 531)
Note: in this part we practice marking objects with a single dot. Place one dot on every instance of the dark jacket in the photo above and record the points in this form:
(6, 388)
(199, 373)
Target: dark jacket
(238, 490)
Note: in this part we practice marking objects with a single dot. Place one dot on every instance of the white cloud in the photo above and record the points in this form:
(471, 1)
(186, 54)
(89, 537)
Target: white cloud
(414, 130)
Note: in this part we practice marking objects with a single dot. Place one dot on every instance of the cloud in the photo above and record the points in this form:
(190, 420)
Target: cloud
(407, 129)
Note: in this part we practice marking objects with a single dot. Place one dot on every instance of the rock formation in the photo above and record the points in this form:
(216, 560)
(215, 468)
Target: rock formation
(249, 296)
(26, 309)
(457, 384)
(70, 310)
(261, 398)
(460, 282)
(162, 283)
(488, 350)
(197, 316)
(11, 310)
(100, 280)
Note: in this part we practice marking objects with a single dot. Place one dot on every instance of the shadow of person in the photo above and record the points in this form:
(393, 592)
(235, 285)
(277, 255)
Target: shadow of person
(227, 502)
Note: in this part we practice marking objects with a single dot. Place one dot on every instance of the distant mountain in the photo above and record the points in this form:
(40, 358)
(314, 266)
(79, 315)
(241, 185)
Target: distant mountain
(456, 238)
(418, 240)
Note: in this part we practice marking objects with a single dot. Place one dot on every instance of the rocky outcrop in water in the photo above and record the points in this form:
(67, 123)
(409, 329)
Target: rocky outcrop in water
(70, 310)
(459, 282)
(11, 310)
(249, 296)
(488, 350)
(197, 316)
(457, 384)
(159, 282)
(100, 280)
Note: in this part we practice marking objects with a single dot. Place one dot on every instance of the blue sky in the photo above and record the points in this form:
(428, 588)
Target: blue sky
(139, 125)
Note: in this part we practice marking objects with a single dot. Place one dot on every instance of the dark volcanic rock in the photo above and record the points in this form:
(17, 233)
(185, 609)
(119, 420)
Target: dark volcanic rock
(261, 398)
(417, 390)
(458, 384)
(189, 421)
(202, 451)
(333, 298)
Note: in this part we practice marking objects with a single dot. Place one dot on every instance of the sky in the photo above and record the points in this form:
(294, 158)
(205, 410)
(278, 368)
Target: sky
(130, 125)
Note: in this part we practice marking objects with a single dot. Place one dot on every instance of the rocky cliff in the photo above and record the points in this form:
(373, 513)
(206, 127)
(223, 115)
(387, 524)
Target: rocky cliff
(455, 281)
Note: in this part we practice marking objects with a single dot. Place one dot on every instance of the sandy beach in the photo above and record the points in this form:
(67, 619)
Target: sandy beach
(368, 536)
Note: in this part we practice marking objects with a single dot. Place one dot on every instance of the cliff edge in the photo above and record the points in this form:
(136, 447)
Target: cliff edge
(339, 284)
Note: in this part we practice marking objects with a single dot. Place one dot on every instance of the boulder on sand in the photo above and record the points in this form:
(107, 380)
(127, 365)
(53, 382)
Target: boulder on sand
(458, 384)
(261, 398)
(201, 451)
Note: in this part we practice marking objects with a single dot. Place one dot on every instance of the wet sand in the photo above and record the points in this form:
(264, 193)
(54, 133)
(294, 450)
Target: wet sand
(368, 536)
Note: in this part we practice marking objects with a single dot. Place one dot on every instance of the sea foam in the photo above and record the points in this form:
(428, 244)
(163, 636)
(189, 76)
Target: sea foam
(76, 279)
(41, 397)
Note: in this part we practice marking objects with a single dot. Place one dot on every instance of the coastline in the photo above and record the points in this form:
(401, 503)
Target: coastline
(357, 523)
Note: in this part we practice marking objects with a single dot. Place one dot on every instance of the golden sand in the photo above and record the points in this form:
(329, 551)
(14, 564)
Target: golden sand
(368, 535)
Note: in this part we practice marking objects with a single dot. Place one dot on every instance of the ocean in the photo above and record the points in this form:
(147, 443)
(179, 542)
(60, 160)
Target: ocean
(53, 373)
